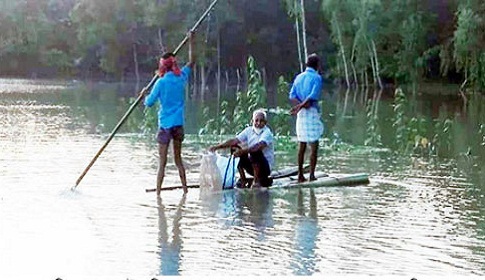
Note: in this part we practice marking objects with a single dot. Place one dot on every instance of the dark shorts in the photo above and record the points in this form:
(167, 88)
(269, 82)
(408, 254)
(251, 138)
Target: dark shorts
(255, 158)
(176, 133)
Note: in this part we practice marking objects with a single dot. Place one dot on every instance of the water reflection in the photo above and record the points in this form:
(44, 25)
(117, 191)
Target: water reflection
(306, 235)
(259, 207)
(170, 250)
(240, 208)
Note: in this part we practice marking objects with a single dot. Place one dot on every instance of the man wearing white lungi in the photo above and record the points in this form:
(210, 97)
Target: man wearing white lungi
(304, 95)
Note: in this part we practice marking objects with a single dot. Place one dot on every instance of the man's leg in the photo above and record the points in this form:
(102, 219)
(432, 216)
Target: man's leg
(162, 162)
(177, 155)
(261, 170)
(257, 176)
(301, 158)
(242, 166)
(313, 159)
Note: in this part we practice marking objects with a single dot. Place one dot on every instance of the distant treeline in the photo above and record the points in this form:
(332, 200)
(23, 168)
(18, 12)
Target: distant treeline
(362, 42)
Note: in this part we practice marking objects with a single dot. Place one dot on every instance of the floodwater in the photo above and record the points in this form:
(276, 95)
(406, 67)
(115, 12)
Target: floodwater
(418, 216)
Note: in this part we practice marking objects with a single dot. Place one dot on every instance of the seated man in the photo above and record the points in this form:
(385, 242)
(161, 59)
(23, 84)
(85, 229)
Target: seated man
(258, 158)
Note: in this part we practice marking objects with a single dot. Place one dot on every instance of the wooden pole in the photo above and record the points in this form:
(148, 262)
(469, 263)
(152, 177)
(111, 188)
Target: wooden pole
(140, 97)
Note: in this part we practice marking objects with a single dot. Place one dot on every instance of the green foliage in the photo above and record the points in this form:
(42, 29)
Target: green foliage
(409, 57)
(468, 38)
(411, 132)
(280, 118)
(400, 119)
(58, 59)
(442, 138)
(256, 92)
(252, 99)
(373, 131)
(417, 136)
(370, 37)
(150, 120)
(292, 7)
(209, 127)
(224, 121)
(280, 121)
(221, 125)
(232, 121)
(95, 30)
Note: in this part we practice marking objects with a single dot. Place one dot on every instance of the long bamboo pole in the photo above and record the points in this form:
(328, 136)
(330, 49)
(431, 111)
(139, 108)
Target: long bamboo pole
(140, 97)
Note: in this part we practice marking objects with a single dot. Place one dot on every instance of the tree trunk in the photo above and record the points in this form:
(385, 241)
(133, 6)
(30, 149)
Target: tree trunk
(378, 75)
(305, 50)
(218, 71)
(226, 88)
(202, 83)
(372, 62)
(354, 71)
(238, 80)
(297, 27)
(160, 40)
(137, 73)
(342, 52)
(346, 99)
(194, 89)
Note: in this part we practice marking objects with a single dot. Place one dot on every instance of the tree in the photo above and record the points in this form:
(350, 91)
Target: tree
(469, 43)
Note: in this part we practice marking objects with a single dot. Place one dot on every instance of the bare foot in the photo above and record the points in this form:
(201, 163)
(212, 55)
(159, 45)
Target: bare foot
(185, 189)
(242, 183)
(313, 178)
(301, 179)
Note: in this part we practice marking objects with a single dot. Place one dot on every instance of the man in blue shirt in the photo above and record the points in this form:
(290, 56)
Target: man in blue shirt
(169, 90)
(257, 158)
(304, 95)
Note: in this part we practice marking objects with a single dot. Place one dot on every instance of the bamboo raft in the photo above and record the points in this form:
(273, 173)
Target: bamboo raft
(323, 180)
(286, 178)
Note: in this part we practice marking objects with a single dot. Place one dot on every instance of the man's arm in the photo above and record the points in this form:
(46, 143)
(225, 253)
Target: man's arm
(254, 148)
(227, 144)
(316, 89)
(152, 97)
(314, 95)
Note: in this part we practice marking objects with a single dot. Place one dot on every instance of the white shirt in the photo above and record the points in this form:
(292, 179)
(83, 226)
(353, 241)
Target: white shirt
(251, 138)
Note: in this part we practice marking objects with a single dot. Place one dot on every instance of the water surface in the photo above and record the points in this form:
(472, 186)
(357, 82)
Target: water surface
(418, 216)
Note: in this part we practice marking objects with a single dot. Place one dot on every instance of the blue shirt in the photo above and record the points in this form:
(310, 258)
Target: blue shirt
(170, 91)
(307, 85)
(251, 138)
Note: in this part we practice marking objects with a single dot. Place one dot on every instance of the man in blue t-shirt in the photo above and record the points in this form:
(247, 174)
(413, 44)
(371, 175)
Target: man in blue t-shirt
(304, 95)
(257, 158)
(169, 90)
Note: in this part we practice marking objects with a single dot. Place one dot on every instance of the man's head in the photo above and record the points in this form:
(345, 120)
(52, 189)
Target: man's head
(167, 63)
(167, 55)
(313, 61)
(259, 118)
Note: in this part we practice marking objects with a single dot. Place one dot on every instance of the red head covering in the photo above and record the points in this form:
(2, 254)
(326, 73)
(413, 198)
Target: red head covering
(168, 64)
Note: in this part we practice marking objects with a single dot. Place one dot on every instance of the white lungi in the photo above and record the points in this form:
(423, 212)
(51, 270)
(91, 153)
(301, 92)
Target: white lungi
(309, 126)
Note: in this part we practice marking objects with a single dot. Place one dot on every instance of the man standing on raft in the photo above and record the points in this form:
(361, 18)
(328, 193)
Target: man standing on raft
(304, 96)
(169, 90)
